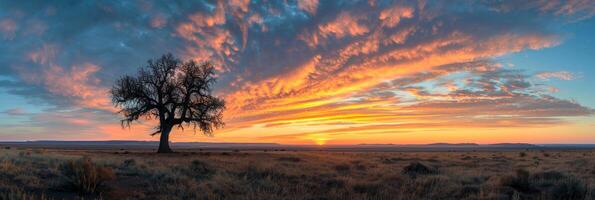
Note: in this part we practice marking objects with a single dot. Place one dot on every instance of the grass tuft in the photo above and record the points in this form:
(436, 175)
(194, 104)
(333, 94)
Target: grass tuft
(85, 176)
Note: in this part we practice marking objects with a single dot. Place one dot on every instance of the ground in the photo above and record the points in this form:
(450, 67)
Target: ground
(34, 173)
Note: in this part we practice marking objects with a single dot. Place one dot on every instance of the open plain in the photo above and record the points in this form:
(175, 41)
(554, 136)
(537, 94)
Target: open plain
(42, 173)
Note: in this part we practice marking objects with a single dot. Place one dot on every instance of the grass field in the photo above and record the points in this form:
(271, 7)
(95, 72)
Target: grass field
(524, 174)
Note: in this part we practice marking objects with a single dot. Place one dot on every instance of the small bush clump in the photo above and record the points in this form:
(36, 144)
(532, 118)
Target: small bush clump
(289, 159)
(201, 169)
(548, 175)
(570, 188)
(129, 163)
(520, 182)
(417, 168)
(19, 194)
(85, 176)
(367, 188)
(343, 168)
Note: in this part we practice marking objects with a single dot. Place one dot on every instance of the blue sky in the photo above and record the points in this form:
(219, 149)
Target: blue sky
(574, 54)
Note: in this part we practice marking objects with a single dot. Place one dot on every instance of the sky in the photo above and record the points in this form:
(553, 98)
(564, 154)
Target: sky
(309, 71)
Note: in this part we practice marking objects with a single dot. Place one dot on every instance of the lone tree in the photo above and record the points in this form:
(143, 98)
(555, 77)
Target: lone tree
(177, 93)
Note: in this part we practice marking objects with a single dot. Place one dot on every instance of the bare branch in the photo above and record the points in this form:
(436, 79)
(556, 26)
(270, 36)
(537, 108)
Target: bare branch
(177, 93)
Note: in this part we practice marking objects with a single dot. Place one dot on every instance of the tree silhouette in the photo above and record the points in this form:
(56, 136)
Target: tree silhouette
(177, 93)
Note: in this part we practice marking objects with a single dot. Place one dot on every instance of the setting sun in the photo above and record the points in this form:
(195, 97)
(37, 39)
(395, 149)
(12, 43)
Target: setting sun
(320, 140)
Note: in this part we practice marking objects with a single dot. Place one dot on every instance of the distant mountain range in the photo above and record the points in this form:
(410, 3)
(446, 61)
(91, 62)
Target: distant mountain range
(456, 145)
(133, 144)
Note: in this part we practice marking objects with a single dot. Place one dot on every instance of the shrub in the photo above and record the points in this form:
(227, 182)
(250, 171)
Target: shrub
(19, 194)
(8, 167)
(519, 182)
(466, 158)
(468, 191)
(360, 167)
(570, 188)
(254, 173)
(367, 188)
(417, 168)
(522, 154)
(85, 176)
(549, 175)
(333, 183)
(431, 187)
(201, 169)
(39, 151)
(129, 163)
(342, 168)
(24, 153)
(289, 159)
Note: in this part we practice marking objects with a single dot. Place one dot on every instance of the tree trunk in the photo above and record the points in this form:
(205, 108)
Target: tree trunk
(164, 141)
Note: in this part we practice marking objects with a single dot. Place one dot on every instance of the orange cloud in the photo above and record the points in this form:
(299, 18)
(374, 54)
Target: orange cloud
(392, 16)
(77, 83)
(343, 25)
(309, 6)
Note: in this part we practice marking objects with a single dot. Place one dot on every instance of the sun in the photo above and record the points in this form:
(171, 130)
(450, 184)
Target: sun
(320, 141)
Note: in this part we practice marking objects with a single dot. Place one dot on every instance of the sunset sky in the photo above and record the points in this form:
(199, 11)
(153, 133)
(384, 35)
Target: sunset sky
(309, 71)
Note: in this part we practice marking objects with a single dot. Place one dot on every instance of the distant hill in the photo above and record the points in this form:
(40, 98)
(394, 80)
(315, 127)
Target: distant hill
(133, 144)
(514, 145)
(454, 144)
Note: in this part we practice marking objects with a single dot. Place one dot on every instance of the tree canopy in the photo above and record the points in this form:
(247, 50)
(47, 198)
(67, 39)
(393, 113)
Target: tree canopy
(176, 93)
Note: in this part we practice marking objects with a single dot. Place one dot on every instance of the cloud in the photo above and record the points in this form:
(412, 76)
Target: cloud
(8, 28)
(14, 112)
(576, 9)
(309, 6)
(343, 25)
(390, 17)
(76, 84)
(158, 21)
(485, 96)
(562, 75)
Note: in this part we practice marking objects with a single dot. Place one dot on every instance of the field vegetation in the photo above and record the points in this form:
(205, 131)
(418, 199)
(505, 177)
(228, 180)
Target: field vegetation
(61, 174)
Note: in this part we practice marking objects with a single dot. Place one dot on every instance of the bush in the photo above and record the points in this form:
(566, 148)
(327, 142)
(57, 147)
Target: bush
(520, 182)
(417, 168)
(570, 188)
(360, 167)
(549, 175)
(333, 183)
(19, 194)
(342, 168)
(8, 167)
(85, 176)
(367, 188)
(201, 169)
(289, 159)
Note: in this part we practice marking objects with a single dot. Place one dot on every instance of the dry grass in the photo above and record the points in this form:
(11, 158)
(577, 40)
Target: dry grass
(85, 176)
(55, 174)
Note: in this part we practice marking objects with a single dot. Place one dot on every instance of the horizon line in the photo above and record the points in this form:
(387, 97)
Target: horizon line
(433, 143)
